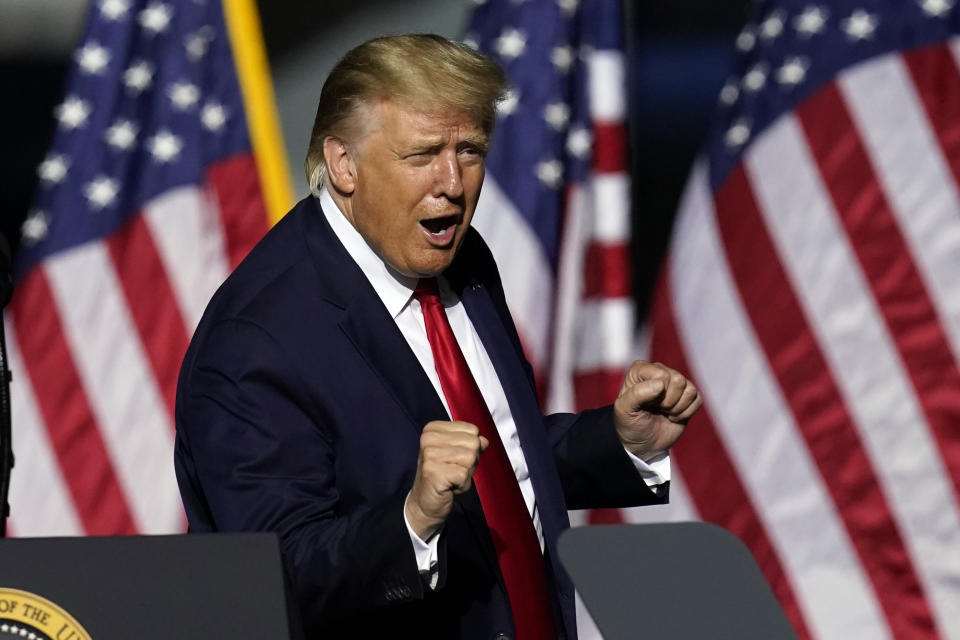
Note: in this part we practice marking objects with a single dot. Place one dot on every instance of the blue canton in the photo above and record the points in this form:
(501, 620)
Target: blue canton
(151, 101)
(542, 140)
(790, 49)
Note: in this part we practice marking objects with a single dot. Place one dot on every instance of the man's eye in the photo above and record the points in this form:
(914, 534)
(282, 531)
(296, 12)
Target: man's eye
(418, 158)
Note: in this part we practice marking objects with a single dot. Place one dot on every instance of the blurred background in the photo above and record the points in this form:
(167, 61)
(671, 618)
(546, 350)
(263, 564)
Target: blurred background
(679, 56)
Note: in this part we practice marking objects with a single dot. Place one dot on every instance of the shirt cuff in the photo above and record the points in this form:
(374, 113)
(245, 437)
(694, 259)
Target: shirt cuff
(425, 552)
(654, 473)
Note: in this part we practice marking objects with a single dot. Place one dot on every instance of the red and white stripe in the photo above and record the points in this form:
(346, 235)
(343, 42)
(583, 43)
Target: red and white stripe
(514, 243)
(593, 336)
(96, 335)
(581, 349)
(815, 300)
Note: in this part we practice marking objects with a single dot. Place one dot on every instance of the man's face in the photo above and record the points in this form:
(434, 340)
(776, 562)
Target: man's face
(418, 177)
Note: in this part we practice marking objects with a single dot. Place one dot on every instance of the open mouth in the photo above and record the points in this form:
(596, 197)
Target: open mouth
(440, 230)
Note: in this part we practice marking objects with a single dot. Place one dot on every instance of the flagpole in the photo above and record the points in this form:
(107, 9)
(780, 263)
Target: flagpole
(6, 435)
(253, 72)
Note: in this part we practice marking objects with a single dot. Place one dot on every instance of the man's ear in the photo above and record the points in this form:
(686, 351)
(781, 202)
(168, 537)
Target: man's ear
(340, 166)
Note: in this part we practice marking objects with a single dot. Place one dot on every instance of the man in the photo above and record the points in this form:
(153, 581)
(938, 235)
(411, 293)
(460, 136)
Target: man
(358, 387)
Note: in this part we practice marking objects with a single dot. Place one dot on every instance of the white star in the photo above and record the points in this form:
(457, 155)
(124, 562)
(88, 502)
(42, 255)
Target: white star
(579, 142)
(92, 58)
(53, 169)
(213, 116)
(156, 17)
(562, 58)
(183, 95)
(509, 103)
(936, 8)
(113, 9)
(746, 39)
(164, 146)
(510, 44)
(198, 43)
(773, 25)
(811, 21)
(550, 173)
(557, 114)
(101, 191)
(121, 134)
(738, 133)
(755, 78)
(72, 113)
(33, 230)
(793, 71)
(860, 25)
(569, 7)
(730, 92)
(138, 76)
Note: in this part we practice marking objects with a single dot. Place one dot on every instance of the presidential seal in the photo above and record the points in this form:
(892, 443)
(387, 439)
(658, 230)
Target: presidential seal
(27, 616)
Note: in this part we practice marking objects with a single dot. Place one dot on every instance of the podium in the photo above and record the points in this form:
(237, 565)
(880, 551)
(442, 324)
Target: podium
(672, 581)
(146, 587)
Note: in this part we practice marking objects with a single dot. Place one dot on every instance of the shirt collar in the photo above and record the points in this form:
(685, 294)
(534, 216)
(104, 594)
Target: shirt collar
(394, 289)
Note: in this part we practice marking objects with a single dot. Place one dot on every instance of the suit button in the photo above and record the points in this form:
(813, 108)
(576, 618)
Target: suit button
(502, 636)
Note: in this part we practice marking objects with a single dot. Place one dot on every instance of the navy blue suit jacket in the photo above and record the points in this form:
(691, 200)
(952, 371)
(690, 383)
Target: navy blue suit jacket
(299, 411)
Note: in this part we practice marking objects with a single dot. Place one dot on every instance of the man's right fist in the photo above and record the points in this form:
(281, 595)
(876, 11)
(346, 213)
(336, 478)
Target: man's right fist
(449, 452)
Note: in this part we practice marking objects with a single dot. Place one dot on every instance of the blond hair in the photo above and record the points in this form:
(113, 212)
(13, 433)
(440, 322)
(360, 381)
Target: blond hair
(422, 71)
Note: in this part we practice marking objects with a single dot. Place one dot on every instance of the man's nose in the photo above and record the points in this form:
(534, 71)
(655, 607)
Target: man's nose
(448, 179)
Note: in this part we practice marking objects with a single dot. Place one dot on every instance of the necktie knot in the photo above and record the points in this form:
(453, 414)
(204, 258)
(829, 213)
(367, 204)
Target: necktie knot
(427, 291)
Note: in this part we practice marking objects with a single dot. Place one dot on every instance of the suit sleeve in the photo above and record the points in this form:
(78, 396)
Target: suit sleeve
(254, 455)
(595, 470)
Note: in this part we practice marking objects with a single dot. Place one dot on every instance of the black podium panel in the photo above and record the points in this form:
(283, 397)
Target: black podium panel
(156, 587)
(676, 581)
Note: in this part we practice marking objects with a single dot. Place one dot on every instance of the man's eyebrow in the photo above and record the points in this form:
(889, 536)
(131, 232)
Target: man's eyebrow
(423, 146)
(480, 141)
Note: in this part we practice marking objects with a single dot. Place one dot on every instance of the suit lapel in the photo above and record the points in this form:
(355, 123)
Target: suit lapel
(367, 324)
(521, 396)
(375, 335)
(527, 417)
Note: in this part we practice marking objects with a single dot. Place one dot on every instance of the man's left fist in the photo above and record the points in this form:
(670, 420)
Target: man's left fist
(653, 407)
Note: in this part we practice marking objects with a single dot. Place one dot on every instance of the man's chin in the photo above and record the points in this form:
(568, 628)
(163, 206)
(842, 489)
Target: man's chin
(434, 264)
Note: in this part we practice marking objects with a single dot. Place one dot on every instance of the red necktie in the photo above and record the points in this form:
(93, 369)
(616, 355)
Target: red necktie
(514, 538)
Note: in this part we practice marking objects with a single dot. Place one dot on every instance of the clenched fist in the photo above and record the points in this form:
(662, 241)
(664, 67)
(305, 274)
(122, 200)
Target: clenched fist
(449, 452)
(653, 407)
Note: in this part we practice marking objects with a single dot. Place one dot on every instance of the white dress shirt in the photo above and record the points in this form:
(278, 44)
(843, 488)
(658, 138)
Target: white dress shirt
(396, 292)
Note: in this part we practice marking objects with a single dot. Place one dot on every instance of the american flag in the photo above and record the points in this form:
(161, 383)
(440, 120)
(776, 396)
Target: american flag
(555, 204)
(149, 195)
(812, 290)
